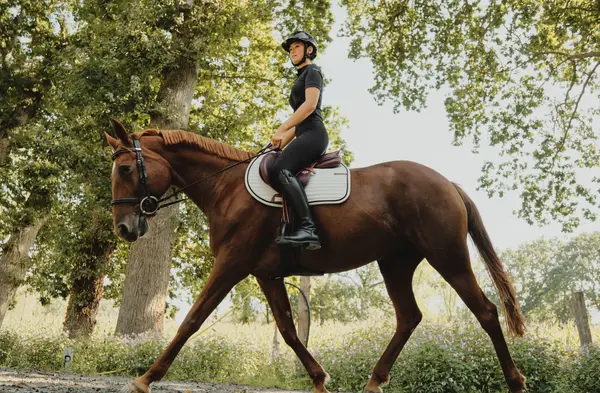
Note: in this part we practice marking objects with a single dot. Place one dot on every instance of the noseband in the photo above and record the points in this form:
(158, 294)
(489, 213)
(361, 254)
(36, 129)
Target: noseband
(149, 204)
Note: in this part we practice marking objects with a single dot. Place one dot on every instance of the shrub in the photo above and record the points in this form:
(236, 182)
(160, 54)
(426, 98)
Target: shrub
(437, 359)
(583, 373)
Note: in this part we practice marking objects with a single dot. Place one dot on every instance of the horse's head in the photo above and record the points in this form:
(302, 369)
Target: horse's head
(140, 175)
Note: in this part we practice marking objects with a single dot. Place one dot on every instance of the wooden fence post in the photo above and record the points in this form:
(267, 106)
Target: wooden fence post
(581, 320)
(303, 317)
(276, 344)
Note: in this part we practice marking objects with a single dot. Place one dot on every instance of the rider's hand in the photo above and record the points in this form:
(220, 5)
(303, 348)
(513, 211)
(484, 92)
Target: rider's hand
(277, 140)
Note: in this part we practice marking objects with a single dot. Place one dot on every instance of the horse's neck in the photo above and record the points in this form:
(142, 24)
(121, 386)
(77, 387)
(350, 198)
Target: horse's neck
(190, 166)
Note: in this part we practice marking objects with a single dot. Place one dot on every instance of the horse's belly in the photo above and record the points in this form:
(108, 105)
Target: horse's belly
(347, 249)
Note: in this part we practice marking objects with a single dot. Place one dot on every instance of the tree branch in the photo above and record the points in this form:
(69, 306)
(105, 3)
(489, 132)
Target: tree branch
(569, 55)
(374, 285)
(572, 117)
(260, 78)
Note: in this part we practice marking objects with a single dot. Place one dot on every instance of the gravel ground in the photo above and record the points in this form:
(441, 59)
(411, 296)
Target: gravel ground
(30, 381)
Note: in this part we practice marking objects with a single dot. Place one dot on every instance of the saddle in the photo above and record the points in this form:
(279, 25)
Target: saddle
(327, 160)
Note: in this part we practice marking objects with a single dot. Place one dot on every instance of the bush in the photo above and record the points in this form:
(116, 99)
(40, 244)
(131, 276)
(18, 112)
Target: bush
(583, 373)
(437, 359)
(39, 350)
(9, 345)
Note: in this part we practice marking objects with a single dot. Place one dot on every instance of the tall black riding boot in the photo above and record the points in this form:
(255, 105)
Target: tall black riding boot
(293, 192)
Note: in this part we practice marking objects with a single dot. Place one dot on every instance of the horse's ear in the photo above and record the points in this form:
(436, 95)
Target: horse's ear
(120, 131)
(111, 141)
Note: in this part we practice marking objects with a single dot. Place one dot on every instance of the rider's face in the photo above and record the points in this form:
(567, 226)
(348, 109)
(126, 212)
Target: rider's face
(296, 51)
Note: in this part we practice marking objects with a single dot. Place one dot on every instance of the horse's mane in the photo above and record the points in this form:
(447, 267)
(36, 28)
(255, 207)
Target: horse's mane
(207, 145)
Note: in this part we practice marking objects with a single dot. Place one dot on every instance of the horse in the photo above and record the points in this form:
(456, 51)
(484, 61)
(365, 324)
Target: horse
(397, 214)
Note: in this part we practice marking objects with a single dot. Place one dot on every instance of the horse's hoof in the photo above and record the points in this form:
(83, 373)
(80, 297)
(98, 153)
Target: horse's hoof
(321, 388)
(135, 386)
(372, 389)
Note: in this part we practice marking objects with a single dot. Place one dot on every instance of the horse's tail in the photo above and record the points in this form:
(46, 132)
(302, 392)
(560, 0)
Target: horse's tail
(512, 311)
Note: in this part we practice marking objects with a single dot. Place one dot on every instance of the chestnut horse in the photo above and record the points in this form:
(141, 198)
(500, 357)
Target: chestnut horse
(398, 214)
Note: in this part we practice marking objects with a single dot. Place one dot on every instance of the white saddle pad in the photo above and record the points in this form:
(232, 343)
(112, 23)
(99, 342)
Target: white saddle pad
(326, 186)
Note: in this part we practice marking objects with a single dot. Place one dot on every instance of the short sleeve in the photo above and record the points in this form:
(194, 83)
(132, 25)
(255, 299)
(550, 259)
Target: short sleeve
(313, 78)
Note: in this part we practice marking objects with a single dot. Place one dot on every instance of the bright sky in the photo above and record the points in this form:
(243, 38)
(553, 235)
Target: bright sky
(376, 134)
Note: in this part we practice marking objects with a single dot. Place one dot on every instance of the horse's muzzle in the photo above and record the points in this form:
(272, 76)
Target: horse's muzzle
(132, 232)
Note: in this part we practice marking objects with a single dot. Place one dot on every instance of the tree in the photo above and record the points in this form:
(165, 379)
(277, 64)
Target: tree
(347, 297)
(54, 156)
(547, 272)
(71, 260)
(30, 50)
(522, 77)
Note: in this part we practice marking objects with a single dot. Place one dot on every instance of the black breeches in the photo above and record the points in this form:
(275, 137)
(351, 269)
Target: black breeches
(305, 149)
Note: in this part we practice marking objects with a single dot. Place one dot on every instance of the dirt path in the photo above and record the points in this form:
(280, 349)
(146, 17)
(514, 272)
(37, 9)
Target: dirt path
(33, 381)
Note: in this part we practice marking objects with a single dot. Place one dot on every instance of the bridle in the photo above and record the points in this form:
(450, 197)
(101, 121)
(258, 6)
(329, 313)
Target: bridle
(149, 205)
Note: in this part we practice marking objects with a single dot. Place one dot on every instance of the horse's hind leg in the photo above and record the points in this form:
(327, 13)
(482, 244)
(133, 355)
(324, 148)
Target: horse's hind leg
(454, 265)
(279, 302)
(397, 274)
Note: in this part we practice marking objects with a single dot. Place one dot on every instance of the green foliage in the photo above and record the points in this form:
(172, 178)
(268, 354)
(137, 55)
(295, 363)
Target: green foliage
(522, 78)
(547, 272)
(337, 298)
(437, 359)
(583, 373)
(66, 67)
(250, 301)
(349, 297)
(36, 350)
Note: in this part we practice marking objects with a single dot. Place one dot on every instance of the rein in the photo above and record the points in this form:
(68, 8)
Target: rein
(149, 204)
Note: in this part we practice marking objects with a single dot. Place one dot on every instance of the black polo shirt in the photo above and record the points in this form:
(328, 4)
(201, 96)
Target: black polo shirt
(308, 76)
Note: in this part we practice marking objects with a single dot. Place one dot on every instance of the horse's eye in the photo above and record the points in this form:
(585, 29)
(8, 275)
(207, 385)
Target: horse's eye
(125, 170)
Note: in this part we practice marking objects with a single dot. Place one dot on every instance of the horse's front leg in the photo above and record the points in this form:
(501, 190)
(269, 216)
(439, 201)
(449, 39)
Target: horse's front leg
(279, 302)
(224, 275)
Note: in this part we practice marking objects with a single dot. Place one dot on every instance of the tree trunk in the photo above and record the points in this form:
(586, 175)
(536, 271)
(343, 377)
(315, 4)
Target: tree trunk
(581, 320)
(87, 289)
(82, 310)
(15, 262)
(149, 264)
(303, 310)
(267, 313)
(276, 345)
(5, 146)
(303, 317)
(147, 278)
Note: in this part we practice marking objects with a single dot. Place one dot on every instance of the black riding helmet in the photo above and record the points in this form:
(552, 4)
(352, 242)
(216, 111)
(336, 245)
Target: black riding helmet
(304, 37)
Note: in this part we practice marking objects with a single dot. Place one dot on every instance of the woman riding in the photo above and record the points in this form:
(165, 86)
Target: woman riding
(305, 136)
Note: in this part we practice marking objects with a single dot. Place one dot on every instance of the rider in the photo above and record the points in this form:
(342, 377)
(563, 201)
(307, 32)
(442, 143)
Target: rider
(310, 142)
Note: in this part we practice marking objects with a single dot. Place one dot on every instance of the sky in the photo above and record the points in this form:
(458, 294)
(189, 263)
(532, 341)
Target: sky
(376, 135)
